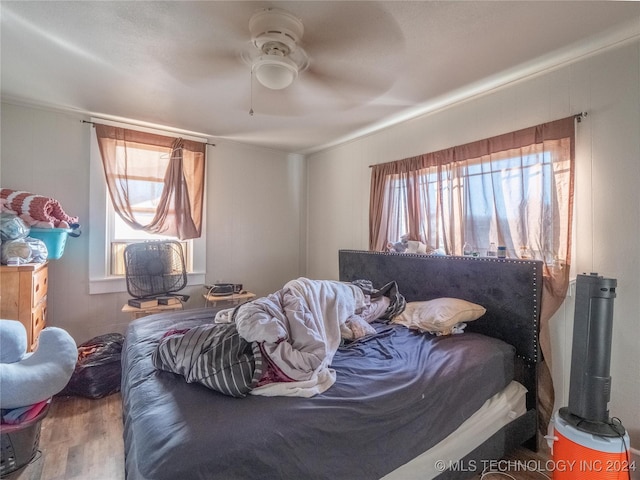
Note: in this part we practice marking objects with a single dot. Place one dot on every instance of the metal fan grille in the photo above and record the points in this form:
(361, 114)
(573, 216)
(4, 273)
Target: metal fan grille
(154, 268)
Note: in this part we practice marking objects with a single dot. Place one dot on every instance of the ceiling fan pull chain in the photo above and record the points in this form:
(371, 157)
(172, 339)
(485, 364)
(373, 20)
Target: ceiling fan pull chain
(251, 94)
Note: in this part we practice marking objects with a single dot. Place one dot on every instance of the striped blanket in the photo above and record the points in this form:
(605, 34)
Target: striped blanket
(212, 355)
(35, 210)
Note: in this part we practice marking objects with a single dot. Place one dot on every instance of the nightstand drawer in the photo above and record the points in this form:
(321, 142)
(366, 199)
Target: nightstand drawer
(38, 321)
(40, 284)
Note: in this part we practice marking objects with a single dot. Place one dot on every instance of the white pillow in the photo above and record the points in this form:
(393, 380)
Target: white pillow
(440, 315)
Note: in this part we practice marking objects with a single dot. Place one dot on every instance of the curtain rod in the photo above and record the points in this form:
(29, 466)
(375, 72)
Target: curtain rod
(93, 123)
(578, 117)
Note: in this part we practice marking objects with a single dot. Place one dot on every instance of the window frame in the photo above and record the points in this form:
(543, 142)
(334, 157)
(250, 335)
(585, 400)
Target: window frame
(101, 223)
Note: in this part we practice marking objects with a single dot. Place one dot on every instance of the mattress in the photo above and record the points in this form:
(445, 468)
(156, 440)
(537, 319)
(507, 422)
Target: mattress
(498, 411)
(397, 394)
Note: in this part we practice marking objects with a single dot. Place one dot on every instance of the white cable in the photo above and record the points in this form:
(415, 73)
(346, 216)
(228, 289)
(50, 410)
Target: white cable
(207, 302)
(486, 472)
(493, 472)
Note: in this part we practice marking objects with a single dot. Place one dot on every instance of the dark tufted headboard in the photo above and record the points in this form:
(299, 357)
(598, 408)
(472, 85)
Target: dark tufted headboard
(510, 290)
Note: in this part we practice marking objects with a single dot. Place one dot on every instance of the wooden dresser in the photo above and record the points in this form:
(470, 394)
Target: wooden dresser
(23, 297)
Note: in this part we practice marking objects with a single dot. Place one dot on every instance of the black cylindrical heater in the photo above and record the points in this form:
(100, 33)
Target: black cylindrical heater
(590, 383)
(587, 443)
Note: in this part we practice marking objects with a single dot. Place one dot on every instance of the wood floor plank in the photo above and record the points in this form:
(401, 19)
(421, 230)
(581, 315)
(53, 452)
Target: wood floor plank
(75, 461)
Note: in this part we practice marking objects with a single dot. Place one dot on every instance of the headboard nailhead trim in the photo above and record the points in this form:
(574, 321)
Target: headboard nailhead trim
(534, 285)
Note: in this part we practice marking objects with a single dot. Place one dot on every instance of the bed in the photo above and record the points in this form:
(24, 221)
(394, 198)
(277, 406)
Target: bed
(405, 404)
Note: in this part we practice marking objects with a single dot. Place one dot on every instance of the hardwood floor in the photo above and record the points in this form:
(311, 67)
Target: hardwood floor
(82, 439)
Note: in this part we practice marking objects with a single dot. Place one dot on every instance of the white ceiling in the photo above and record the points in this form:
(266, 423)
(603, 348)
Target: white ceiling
(177, 64)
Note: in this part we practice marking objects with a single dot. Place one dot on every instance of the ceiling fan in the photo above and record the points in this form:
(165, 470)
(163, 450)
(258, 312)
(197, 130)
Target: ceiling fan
(278, 57)
(338, 65)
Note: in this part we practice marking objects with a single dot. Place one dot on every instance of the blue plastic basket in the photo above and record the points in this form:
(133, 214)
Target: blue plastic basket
(54, 238)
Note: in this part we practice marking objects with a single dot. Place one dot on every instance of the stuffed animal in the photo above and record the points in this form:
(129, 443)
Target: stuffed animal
(401, 246)
(29, 378)
(407, 246)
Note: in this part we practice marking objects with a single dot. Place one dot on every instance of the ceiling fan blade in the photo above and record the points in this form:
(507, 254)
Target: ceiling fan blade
(332, 31)
(197, 66)
(352, 84)
(220, 21)
(355, 62)
(213, 42)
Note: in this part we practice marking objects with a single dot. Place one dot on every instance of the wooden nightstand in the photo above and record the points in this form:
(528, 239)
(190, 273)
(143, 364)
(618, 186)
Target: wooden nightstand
(234, 299)
(143, 312)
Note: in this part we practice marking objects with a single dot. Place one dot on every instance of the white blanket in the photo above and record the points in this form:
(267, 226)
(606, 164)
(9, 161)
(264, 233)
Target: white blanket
(299, 330)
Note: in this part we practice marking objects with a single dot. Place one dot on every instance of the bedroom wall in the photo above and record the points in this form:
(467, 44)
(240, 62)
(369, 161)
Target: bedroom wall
(607, 223)
(255, 207)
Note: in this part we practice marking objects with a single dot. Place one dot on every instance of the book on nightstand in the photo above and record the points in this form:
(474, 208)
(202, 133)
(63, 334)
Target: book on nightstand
(143, 302)
(168, 300)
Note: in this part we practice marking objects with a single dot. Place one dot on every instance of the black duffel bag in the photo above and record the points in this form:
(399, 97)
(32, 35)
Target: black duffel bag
(98, 370)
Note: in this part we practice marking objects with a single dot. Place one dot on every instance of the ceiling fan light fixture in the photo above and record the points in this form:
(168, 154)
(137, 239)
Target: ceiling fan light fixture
(274, 71)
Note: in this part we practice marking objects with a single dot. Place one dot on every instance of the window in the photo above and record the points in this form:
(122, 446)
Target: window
(428, 186)
(487, 196)
(110, 233)
(513, 190)
(121, 235)
(499, 194)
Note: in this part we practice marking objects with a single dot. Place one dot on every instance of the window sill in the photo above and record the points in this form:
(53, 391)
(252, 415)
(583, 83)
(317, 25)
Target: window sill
(119, 284)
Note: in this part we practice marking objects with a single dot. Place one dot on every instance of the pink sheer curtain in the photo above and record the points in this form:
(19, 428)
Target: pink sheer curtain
(156, 183)
(514, 189)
